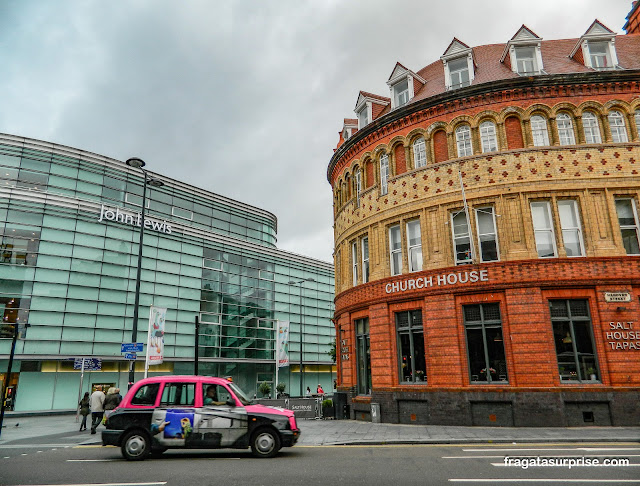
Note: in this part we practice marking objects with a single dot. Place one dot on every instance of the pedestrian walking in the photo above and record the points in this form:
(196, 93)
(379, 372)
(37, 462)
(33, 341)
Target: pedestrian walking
(320, 391)
(111, 401)
(84, 410)
(96, 403)
(308, 394)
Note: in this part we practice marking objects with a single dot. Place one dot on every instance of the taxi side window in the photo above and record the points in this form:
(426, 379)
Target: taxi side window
(215, 394)
(146, 395)
(180, 394)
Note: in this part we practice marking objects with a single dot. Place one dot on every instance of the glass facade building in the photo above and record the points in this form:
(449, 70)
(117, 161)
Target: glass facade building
(69, 223)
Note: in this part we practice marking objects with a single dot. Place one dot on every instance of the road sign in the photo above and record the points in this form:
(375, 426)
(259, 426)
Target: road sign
(90, 364)
(131, 348)
(130, 356)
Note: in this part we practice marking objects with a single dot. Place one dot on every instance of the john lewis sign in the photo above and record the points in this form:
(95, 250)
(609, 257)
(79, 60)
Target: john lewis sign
(452, 278)
(133, 219)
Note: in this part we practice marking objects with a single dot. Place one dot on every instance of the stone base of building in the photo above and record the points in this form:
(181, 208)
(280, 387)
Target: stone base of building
(561, 408)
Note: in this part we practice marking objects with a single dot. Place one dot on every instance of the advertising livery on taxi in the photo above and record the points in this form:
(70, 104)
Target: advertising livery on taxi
(196, 412)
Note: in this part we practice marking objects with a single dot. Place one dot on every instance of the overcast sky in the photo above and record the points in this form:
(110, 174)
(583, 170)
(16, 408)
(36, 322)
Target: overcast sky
(241, 98)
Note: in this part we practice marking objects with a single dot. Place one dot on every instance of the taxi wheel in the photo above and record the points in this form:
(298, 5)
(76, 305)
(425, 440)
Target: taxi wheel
(265, 443)
(136, 445)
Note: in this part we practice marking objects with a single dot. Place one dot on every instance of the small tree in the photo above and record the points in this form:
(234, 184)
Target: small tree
(332, 351)
(264, 389)
(280, 388)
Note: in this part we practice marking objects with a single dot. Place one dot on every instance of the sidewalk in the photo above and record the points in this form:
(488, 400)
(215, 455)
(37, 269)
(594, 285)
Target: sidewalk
(351, 432)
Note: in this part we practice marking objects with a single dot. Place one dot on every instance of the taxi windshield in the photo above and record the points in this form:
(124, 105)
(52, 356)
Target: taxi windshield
(240, 394)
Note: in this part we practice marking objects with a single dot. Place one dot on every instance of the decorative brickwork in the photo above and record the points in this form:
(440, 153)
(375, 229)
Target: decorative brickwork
(545, 223)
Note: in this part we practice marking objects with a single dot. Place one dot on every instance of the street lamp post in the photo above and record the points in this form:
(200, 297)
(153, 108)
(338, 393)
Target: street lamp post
(299, 284)
(137, 163)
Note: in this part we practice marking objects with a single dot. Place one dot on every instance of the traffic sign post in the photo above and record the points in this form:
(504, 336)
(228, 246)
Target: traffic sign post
(131, 348)
(130, 356)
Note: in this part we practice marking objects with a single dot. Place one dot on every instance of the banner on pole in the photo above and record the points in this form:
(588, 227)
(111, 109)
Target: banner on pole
(282, 344)
(155, 343)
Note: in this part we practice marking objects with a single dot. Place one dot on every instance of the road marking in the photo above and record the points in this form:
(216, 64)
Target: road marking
(32, 446)
(93, 460)
(555, 481)
(91, 446)
(587, 449)
(555, 455)
(502, 464)
(105, 484)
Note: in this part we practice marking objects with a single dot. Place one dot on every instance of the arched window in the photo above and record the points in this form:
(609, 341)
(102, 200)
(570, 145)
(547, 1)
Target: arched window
(463, 140)
(591, 127)
(488, 138)
(347, 181)
(419, 153)
(565, 129)
(618, 127)
(384, 173)
(539, 131)
(637, 117)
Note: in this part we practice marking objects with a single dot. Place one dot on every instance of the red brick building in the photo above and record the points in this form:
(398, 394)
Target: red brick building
(487, 236)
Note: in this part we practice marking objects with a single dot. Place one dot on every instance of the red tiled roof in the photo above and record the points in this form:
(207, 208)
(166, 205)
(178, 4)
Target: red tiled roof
(375, 96)
(351, 121)
(555, 60)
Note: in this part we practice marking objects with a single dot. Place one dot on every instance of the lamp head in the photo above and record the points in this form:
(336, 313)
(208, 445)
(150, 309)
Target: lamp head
(155, 183)
(135, 162)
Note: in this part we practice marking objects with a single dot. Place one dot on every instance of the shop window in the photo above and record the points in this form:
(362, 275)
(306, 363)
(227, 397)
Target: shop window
(461, 238)
(488, 138)
(363, 356)
(618, 127)
(543, 229)
(565, 129)
(463, 141)
(354, 262)
(628, 222)
(413, 367)
(539, 131)
(487, 235)
(573, 336)
(365, 259)
(419, 153)
(414, 240)
(571, 227)
(591, 127)
(485, 346)
(384, 174)
(395, 250)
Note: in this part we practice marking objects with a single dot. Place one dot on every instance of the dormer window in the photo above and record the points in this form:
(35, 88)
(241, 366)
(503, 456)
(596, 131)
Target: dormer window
(363, 116)
(522, 52)
(368, 107)
(596, 48)
(459, 73)
(526, 62)
(402, 84)
(458, 65)
(401, 93)
(599, 55)
(346, 134)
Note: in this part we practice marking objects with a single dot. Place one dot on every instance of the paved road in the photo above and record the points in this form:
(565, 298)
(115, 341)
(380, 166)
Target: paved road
(320, 465)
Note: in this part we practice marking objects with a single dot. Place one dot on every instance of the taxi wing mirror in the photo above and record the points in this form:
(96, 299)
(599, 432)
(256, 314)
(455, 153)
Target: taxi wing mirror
(231, 402)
